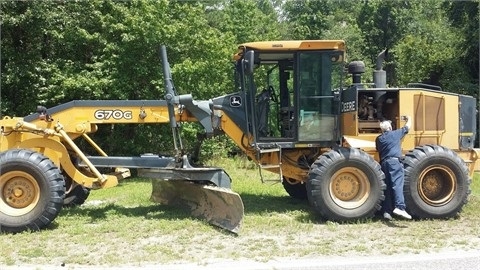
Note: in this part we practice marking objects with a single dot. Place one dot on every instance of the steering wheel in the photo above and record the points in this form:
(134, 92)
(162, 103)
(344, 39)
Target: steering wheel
(272, 93)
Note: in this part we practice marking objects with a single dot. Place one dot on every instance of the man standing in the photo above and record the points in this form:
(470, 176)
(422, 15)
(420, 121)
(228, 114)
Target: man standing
(389, 148)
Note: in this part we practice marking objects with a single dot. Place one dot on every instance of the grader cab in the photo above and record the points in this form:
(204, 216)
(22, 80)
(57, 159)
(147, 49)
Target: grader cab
(291, 114)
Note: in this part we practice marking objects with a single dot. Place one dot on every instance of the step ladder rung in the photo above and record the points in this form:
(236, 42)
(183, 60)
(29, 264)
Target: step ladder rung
(269, 150)
(272, 150)
(269, 166)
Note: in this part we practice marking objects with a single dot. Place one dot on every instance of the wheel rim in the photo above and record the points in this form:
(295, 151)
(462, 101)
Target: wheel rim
(20, 193)
(349, 187)
(437, 185)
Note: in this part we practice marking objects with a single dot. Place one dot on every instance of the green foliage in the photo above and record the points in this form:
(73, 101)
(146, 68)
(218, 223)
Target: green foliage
(52, 53)
(344, 27)
(431, 55)
(308, 19)
(464, 16)
(425, 56)
(218, 147)
(382, 24)
(130, 140)
(245, 20)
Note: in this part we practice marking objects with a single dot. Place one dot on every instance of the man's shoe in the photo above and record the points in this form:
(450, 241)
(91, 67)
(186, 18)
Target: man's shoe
(401, 213)
(387, 216)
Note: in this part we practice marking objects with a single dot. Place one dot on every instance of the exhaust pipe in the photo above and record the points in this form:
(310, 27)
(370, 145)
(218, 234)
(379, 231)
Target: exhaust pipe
(380, 75)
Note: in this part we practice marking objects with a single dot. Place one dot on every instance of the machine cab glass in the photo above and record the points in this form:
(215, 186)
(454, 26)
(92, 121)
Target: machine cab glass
(293, 95)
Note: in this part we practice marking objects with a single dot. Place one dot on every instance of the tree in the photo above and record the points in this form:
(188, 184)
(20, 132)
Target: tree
(429, 53)
(245, 20)
(54, 52)
(307, 19)
(464, 16)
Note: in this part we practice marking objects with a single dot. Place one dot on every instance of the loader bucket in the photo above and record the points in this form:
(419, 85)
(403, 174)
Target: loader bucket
(217, 205)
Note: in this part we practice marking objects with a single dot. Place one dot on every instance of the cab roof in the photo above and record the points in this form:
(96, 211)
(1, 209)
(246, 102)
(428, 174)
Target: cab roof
(290, 45)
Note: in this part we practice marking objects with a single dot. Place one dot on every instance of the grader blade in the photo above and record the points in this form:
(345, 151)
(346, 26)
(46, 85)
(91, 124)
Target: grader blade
(217, 205)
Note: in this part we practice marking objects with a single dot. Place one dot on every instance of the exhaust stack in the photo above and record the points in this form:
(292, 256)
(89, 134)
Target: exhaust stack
(380, 75)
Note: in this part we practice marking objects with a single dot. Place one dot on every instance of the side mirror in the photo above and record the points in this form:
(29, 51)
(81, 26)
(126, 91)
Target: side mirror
(248, 61)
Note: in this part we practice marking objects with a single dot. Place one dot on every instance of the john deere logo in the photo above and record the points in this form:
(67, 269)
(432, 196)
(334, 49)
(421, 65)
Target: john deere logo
(235, 101)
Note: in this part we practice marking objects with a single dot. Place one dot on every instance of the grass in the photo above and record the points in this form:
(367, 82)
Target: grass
(120, 226)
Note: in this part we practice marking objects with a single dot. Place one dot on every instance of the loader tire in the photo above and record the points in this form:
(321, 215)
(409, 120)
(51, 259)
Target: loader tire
(296, 190)
(31, 191)
(346, 184)
(437, 182)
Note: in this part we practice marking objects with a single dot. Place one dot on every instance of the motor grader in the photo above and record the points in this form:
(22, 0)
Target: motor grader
(290, 113)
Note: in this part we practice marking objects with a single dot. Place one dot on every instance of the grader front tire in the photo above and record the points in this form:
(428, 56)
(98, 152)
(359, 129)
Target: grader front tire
(31, 191)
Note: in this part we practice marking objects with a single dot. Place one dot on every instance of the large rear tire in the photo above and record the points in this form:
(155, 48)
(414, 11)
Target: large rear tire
(31, 191)
(437, 182)
(346, 184)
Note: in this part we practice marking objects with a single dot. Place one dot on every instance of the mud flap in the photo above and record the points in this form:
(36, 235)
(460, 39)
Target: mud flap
(217, 205)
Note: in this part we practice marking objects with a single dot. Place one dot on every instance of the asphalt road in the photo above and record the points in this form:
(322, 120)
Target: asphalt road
(457, 260)
(446, 260)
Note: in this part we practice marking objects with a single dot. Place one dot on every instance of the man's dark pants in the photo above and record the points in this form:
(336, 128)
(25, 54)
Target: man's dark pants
(394, 179)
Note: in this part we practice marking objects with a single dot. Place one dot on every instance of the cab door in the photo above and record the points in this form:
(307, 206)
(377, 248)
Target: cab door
(317, 82)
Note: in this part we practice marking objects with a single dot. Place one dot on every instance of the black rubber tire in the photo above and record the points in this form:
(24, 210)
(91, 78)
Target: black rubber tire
(296, 190)
(77, 196)
(32, 189)
(437, 182)
(346, 184)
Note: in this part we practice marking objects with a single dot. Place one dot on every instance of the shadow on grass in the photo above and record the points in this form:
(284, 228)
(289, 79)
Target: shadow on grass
(261, 204)
(153, 211)
(254, 204)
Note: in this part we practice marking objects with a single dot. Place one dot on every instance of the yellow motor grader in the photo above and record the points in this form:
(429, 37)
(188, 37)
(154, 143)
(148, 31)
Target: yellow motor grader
(291, 114)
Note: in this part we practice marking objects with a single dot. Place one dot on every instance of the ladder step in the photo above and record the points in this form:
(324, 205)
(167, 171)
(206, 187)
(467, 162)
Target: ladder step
(269, 166)
(270, 150)
(276, 150)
